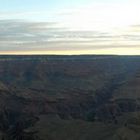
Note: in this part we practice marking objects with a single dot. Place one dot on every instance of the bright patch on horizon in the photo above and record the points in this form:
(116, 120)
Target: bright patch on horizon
(102, 17)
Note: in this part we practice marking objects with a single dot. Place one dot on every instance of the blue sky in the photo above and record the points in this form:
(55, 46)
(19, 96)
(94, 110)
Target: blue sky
(49, 5)
(6, 5)
(21, 5)
(70, 26)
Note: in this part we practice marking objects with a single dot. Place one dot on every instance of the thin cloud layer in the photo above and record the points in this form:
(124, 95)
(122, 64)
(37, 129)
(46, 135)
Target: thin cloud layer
(18, 35)
(82, 25)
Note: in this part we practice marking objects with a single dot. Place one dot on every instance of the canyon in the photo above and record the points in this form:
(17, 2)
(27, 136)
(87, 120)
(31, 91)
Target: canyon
(69, 97)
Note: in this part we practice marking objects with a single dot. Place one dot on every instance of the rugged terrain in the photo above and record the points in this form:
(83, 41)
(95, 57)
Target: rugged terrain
(69, 97)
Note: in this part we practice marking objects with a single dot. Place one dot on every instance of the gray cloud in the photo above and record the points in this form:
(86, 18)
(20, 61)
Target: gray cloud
(22, 36)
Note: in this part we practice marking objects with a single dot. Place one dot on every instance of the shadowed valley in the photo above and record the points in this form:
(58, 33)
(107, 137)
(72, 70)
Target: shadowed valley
(69, 97)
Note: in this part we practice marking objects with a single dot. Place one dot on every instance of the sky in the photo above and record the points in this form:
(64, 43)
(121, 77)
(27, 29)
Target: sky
(70, 27)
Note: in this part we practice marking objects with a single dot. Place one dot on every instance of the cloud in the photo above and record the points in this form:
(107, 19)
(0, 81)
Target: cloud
(20, 35)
